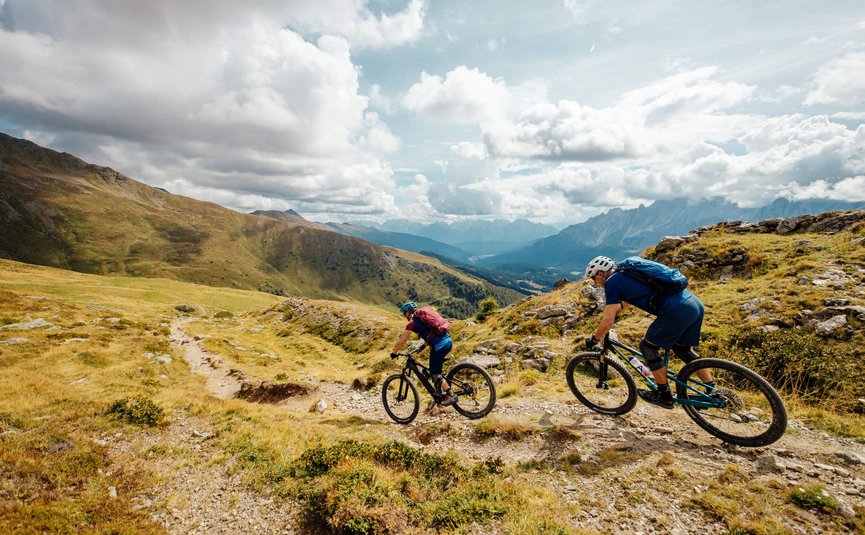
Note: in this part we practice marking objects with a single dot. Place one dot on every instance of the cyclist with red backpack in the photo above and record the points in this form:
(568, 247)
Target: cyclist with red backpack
(659, 290)
(430, 326)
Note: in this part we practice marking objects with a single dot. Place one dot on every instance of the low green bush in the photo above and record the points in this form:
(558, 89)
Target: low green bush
(813, 497)
(355, 487)
(794, 362)
(137, 410)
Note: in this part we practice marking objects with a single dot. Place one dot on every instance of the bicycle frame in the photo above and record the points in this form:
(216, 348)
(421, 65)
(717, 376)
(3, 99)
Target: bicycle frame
(696, 398)
(422, 373)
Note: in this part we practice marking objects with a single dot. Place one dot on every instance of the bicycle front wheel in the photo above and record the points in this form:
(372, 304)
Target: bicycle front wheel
(749, 411)
(400, 398)
(603, 386)
(475, 388)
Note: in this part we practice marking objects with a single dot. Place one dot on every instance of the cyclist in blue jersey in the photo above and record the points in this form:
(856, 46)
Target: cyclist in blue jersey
(677, 325)
(440, 346)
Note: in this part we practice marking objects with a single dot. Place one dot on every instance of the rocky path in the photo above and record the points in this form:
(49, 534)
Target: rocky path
(802, 456)
(196, 494)
(220, 382)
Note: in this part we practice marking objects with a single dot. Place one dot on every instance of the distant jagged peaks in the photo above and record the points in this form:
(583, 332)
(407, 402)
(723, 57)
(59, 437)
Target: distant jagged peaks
(292, 212)
(619, 233)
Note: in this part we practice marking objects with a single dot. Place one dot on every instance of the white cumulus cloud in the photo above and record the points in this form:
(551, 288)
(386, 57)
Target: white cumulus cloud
(463, 96)
(207, 98)
(842, 81)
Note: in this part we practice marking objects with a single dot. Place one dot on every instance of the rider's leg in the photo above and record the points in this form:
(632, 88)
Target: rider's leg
(436, 363)
(687, 354)
(437, 358)
(690, 337)
(652, 354)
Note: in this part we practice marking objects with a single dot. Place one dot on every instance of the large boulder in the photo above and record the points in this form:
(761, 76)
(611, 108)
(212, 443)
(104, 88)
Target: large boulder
(828, 327)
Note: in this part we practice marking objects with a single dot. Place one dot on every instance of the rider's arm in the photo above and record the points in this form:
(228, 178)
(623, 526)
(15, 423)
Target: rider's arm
(610, 313)
(402, 340)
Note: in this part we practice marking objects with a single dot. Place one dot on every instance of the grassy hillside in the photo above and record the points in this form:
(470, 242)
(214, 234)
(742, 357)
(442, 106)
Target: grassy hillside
(767, 296)
(59, 211)
(100, 410)
(100, 402)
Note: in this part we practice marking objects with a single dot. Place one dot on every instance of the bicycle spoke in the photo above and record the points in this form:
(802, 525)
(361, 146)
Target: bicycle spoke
(475, 389)
(749, 412)
(400, 399)
(605, 387)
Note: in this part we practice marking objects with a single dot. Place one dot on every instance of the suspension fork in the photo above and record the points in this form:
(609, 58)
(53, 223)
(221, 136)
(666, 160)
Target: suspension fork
(602, 369)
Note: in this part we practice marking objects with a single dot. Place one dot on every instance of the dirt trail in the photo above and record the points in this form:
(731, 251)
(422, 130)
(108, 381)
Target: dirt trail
(802, 456)
(220, 382)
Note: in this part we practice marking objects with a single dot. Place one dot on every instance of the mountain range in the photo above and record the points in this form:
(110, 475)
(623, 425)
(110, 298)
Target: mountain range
(477, 237)
(618, 233)
(60, 211)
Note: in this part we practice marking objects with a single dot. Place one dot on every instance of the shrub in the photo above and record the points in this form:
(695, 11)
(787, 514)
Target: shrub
(136, 410)
(486, 308)
(792, 361)
(356, 487)
(475, 503)
(507, 429)
(366, 384)
(813, 497)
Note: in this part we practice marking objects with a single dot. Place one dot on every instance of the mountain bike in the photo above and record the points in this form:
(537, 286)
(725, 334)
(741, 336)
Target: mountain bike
(742, 409)
(473, 385)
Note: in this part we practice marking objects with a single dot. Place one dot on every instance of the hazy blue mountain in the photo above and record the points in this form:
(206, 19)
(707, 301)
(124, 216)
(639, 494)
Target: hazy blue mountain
(407, 242)
(476, 237)
(619, 233)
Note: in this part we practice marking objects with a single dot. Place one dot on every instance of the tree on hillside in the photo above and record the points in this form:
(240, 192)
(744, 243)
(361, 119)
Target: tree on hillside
(487, 308)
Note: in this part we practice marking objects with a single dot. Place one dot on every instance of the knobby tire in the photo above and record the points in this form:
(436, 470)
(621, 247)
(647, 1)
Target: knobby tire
(476, 377)
(389, 398)
(741, 379)
(582, 374)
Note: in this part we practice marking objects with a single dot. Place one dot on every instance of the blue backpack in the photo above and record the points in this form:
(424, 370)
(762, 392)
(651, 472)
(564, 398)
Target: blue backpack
(663, 280)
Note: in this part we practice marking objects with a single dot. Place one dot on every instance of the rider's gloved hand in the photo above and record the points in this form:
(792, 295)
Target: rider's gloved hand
(393, 355)
(591, 343)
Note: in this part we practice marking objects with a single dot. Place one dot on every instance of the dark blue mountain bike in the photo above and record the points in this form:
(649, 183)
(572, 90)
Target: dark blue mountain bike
(742, 409)
(473, 385)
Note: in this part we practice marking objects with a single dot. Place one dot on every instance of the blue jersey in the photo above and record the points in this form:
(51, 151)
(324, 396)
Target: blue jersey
(620, 287)
(435, 342)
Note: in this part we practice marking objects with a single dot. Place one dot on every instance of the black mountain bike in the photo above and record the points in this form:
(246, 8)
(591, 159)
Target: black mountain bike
(743, 408)
(473, 385)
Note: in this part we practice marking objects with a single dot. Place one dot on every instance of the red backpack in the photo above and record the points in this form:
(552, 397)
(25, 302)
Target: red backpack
(432, 319)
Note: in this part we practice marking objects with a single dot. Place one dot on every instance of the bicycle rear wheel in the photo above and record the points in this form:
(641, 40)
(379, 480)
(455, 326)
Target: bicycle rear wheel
(475, 388)
(603, 386)
(400, 398)
(750, 411)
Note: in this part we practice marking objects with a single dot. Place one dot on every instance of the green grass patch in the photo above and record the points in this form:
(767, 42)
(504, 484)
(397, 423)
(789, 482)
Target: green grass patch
(357, 487)
(813, 497)
(137, 410)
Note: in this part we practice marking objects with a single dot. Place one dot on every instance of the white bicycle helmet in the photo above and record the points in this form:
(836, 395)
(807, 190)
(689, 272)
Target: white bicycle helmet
(599, 264)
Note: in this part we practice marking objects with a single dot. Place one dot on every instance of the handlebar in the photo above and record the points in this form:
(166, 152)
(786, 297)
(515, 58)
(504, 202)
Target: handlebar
(408, 353)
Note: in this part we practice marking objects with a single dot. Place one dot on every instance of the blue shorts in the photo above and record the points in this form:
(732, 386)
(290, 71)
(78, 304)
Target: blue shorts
(681, 325)
(437, 354)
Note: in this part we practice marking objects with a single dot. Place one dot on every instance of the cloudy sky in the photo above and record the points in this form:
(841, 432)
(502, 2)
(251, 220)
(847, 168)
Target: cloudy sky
(439, 110)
